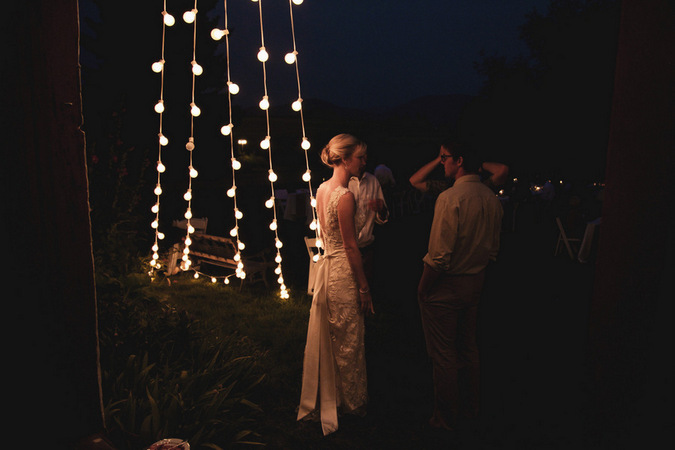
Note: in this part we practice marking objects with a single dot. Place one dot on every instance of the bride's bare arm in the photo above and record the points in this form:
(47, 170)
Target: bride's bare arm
(346, 210)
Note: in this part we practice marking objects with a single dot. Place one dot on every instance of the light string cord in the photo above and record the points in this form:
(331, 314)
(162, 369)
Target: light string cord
(191, 17)
(266, 145)
(226, 130)
(158, 67)
(292, 58)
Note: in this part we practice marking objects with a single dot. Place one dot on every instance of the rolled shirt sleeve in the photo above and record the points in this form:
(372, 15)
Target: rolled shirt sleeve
(443, 235)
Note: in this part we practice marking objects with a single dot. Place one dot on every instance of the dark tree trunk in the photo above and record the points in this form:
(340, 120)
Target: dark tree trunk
(630, 338)
(55, 384)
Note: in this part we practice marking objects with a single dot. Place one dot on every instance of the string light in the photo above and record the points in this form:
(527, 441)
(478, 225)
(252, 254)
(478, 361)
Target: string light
(158, 67)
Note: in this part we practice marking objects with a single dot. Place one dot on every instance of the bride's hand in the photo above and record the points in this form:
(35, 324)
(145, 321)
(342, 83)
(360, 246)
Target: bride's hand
(366, 303)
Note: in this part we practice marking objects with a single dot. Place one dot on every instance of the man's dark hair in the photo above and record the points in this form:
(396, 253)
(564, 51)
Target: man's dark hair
(472, 161)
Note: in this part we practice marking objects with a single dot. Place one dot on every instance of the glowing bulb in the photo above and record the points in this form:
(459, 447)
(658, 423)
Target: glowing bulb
(297, 105)
(269, 203)
(163, 140)
(277, 270)
(277, 259)
(231, 191)
(297, 2)
(272, 176)
(189, 16)
(217, 34)
(158, 190)
(227, 281)
(319, 243)
(196, 275)
(188, 241)
(263, 55)
(236, 165)
(234, 231)
(186, 251)
(160, 236)
(159, 107)
(305, 144)
(190, 229)
(237, 256)
(158, 66)
(196, 68)
(233, 88)
(315, 258)
(213, 279)
(312, 225)
(190, 144)
(188, 214)
(160, 167)
(169, 20)
(241, 245)
(306, 176)
(312, 202)
(238, 214)
(226, 130)
(289, 58)
(194, 110)
(193, 172)
(154, 224)
(265, 143)
(264, 103)
(280, 280)
(273, 225)
(188, 195)
(278, 243)
(155, 208)
(240, 265)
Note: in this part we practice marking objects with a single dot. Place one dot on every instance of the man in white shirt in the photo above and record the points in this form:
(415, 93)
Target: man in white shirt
(464, 237)
(368, 195)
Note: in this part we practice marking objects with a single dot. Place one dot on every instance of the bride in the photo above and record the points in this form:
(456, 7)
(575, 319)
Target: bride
(334, 368)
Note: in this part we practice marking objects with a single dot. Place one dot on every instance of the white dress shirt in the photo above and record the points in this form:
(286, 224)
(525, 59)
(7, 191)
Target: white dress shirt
(366, 189)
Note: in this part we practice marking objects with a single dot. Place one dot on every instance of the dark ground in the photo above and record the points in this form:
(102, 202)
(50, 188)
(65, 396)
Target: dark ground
(532, 336)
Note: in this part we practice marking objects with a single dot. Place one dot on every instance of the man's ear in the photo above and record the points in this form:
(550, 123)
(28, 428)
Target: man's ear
(460, 161)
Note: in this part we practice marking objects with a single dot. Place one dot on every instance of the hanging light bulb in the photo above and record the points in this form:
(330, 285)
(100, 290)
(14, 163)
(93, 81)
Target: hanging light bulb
(273, 225)
(189, 16)
(238, 214)
(272, 176)
(306, 176)
(190, 144)
(277, 270)
(188, 195)
(226, 281)
(315, 258)
(190, 228)
(159, 107)
(269, 203)
(163, 140)
(241, 245)
(158, 189)
(233, 88)
(236, 165)
(160, 236)
(196, 68)
(193, 172)
(264, 103)
(158, 66)
(305, 144)
(217, 34)
(154, 224)
(312, 225)
(234, 231)
(278, 243)
(277, 259)
(225, 130)
(231, 191)
(297, 105)
(194, 110)
(169, 20)
(312, 201)
(188, 214)
(290, 57)
(155, 208)
(263, 55)
(160, 167)
(298, 2)
(188, 241)
(265, 143)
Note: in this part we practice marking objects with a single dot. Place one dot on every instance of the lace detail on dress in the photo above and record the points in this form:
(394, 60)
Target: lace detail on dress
(346, 321)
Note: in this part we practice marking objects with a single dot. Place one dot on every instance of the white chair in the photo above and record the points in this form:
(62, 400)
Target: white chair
(571, 244)
(313, 252)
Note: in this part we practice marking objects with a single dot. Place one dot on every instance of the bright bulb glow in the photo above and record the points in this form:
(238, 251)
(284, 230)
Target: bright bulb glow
(315, 258)
(158, 190)
(279, 244)
(238, 214)
(217, 34)
(273, 225)
(305, 144)
(160, 167)
(272, 176)
(297, 2)
(277, 270)
(155, 208)
(236, 165)
(269, 203)
(319, 243)
(163, 140)
(265, 144)
(241, 245)
(188, 214)
(189, 16)
(297, 105)
(196, 68)
(263, 55)
(237, 256)
(190, 229)
(159, 107)
(160, 236)
(312, 225)
(289, 58)
(169, 20)
(264, 103)
(277, 259)
(154, 224)
(230, 191)
(234, 231)
(213, 280)
(306, 176)
(158, 66)
(226, 130)
(233, 88)
(188, 241)
(194, 110)
(193, 172)
(312, 202)
(227, 281)
(188, 195)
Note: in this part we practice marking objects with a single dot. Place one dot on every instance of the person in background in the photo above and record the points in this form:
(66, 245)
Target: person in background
(498, 174)
(370, 198)
(464, 238)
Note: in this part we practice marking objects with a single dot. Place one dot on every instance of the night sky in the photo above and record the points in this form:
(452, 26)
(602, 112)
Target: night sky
(360, 54)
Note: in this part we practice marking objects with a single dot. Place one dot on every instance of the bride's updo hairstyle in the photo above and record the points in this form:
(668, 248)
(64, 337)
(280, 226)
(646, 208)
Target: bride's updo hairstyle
(341, 147)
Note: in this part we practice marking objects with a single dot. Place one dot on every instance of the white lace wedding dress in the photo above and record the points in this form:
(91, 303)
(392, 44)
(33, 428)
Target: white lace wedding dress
(334, 371)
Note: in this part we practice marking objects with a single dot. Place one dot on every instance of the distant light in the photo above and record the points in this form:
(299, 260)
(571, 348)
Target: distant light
(263, 55)
(189, 16)
(290, 58)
